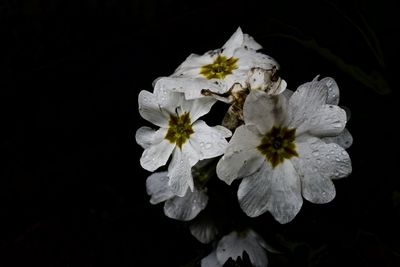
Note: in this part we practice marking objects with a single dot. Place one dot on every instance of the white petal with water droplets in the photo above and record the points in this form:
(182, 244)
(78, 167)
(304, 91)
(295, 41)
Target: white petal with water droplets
(157, 187)
(234, 244)
(264, 111)
(198, 107)
(304, 102)
(187, 207)
(192, 86)
(209, 141)
(333, 90)
(150, 110)
(145, 136)
(276, 190)
(192, 65)
(233, 43)
(317, 164)
(156, 155)
(241, 156)
(344, 139)
(250, 43)
(327, 120)
(180, 174)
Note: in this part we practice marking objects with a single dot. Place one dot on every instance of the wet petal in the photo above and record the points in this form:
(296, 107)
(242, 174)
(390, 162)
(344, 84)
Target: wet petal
(317, 164)
(234, 244)
(150, 110)
(304, 102)
(333, 90)
(276, 190)
(344, 139)
(158, 188)
(250, 43)
(156, 155)
(145, 136)
(327, 120)
(198, 107)
(192, 86)
(192, 65)
(251, 59)
(234, 42)
(264, 111)
(180, 174)
(209, 141)
(187, 207)
(241, 156)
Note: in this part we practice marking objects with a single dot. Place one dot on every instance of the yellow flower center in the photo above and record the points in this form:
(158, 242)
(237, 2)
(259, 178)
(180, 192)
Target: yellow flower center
(180, 129)
(221, 67)
(278, 145)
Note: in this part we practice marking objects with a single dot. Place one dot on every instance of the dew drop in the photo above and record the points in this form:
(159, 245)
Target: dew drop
(208, 145)
(337, 159)
(315, 153)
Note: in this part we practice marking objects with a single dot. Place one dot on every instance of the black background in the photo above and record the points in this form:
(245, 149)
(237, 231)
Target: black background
(72, 192)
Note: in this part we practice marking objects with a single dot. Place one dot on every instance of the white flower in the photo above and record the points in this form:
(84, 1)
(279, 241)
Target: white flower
(344, 139)
(180, 134)
(280, 154)
(218, 70)
(234, 245)
(183, 208)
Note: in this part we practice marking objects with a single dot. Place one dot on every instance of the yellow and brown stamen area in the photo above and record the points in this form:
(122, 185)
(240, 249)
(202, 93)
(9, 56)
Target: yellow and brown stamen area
(278, 145)
(180, 129)
(220, 68)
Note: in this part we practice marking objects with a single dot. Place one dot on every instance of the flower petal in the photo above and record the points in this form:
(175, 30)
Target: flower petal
(241, 156)
(304, 102)
(251, 59)
(198, 107)
(330, 161)
(179, 173)
(211, 260)
(276, 190)
(187, 207)
(203, 229)
(250, 43)
(156, 155)
(157, 187)
(333, 90)
(327, 120)
(209, 141)
(264, 111)
(150, 110)
(192, 86)
(234, 244)
(234, 42)
(145, 136)
(192, 65)
(166, 97)
(344, 139)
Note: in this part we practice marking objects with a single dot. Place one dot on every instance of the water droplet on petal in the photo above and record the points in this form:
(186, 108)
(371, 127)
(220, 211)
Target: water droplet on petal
(315, 153)
(208, 145)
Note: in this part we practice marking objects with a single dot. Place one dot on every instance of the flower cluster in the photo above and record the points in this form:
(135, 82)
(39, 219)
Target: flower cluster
(282, 145)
